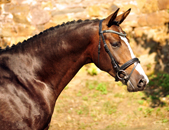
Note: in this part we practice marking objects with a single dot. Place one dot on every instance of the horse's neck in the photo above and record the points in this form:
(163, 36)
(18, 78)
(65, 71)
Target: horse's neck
(66, 52)
(71, 56)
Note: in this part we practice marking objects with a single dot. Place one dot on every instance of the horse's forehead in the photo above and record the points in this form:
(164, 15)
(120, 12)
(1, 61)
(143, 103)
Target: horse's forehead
(128, 45)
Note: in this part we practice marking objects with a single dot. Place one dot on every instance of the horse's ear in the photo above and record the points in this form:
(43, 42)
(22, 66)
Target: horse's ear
(119, 19)
(110, 19)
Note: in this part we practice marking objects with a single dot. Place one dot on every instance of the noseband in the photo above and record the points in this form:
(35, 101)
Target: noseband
(121, 74)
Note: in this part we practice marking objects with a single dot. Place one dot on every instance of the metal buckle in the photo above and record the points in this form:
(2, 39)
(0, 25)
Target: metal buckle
(121, 75)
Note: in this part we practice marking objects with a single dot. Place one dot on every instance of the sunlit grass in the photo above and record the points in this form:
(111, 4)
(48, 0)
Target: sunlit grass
(106, 106)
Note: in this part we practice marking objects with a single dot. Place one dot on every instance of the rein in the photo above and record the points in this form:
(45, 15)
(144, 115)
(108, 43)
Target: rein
(121, 74)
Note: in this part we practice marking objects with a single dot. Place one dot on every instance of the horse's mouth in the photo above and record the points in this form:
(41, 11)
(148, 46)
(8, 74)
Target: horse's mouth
(132, 88)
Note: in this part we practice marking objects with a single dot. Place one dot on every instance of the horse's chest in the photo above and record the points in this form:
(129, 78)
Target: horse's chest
(20, 110)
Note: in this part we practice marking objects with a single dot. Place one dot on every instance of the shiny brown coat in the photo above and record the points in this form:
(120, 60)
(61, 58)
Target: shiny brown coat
(33, 73)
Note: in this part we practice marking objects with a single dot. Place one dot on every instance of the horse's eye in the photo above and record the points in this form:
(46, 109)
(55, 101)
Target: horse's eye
(115, 44)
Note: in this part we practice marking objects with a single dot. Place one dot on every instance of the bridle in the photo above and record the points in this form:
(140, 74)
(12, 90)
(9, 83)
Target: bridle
(121, 74)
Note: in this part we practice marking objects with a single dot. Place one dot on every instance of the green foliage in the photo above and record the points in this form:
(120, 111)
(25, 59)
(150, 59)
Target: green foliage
(79, 94)
(157, 89)
(140, 109)
(153, 97)
(110, 107)
(148, 112)
(164, 81)
(85, 98)
(161, 79)
(119, 95)
(149, 66)
(165, 120)
(158, 112)
(119, 83)
(167, 109)
(102, 88)
(95, 85)
(79, 112)
(84, 110)
(141, 102)
(92, 70)
(91, 86)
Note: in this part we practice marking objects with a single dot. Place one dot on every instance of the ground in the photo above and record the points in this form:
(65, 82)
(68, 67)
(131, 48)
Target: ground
(98, 103)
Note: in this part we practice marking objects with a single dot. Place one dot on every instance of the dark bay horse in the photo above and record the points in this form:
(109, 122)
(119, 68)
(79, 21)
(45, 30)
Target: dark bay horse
(34, 73)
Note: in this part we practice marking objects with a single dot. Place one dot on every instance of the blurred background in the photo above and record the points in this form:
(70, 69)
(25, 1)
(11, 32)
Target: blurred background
(147, 27)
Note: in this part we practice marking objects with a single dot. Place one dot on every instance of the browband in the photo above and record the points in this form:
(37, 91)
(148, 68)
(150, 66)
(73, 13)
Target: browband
(112, 31)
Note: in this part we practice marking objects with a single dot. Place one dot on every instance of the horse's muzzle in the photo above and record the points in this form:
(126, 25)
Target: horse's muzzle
(140, 85)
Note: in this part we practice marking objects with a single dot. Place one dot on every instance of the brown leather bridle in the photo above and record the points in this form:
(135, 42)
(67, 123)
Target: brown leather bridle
(121, 74)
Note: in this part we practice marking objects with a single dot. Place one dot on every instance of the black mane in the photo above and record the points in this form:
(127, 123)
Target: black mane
(46, 31)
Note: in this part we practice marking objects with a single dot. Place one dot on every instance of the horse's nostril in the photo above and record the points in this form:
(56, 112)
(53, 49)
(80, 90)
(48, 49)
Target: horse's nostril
(141, 83)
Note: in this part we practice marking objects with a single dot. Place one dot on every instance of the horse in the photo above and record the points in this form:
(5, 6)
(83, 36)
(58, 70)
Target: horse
(34, 73)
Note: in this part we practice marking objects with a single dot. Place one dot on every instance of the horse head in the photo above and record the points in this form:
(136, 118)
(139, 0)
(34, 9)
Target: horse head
(115, 55)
